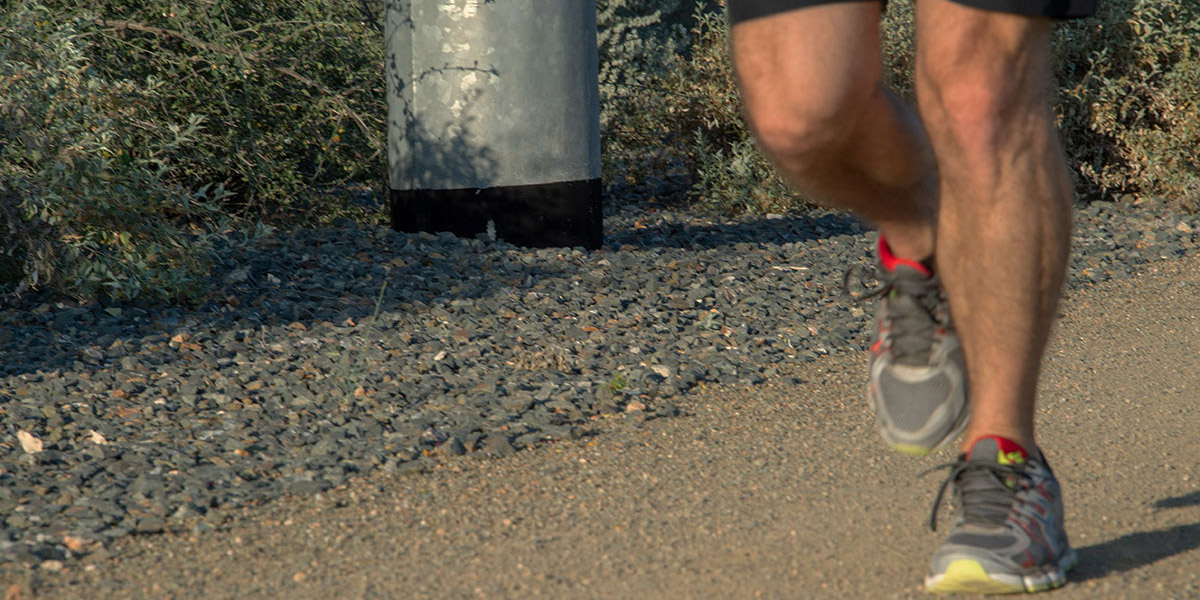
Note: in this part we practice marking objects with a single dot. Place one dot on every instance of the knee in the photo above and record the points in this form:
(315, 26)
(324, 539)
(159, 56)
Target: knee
(797, 141)
(805, 132)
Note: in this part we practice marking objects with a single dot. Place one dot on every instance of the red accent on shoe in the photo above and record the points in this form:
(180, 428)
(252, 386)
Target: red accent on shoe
(1007, 447)
(891, 261)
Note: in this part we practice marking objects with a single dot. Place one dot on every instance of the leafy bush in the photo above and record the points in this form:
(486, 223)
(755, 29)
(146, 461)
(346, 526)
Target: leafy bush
(134, 125)
(673, 120)
(731, 175)
(638, 42)
(1130, 99)
(88, 203)
(291, 93)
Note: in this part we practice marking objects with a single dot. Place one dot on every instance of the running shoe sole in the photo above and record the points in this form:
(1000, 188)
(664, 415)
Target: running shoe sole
(967, 576)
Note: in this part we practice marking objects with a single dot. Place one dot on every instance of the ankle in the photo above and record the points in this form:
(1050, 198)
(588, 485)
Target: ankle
(1026, 443)
(891, 259)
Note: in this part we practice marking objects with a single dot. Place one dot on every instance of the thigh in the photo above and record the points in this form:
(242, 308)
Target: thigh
(809, 61)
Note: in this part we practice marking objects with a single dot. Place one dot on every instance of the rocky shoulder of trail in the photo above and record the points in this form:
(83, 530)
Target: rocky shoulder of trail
(327, 354)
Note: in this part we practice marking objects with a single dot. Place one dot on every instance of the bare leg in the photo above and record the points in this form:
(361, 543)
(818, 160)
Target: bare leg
(1004, 225)
(810, 82)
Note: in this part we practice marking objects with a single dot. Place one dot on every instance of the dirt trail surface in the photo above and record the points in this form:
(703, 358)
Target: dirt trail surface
(783, 490)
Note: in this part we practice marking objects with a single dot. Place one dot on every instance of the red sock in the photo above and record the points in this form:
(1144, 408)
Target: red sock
(1011, 453)
(891, 261)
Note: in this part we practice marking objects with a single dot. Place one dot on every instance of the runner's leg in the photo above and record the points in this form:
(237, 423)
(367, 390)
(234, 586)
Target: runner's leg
(811, 84)
(1004, 223)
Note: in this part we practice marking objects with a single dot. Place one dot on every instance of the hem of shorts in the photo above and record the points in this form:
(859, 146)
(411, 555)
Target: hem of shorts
(1050, 9)
(739, 12)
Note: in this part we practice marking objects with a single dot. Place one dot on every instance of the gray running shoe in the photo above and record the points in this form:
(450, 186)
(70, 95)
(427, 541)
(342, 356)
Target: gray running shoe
(917, 374)
(1008, 532)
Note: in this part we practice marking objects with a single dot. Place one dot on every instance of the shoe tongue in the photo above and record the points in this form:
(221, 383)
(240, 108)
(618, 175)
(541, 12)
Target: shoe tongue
(908, 272)
(997, 450)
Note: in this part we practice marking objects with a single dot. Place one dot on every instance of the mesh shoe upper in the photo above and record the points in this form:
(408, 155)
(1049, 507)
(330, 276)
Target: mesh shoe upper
(1008, 531)
(917, 374)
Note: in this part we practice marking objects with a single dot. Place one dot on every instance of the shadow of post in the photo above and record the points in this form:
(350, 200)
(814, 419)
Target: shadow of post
(491, 128)
(1192, 499)
(423, 154)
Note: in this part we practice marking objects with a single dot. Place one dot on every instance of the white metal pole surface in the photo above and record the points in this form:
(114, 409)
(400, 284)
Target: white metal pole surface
(493, 119)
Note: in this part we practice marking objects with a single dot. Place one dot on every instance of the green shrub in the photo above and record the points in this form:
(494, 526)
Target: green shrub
(731, 175)
(1130, 99)
(674, 122)
(291, 93)
(637, 42)
(88, 202)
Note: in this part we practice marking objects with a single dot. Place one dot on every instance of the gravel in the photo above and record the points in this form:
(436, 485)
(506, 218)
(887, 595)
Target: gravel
(331, 353)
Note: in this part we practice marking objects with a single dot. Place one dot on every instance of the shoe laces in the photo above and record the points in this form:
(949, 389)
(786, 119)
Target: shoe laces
(915, 309)
(984, 491)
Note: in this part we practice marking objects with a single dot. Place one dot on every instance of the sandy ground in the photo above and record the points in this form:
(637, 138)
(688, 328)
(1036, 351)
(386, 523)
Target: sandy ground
(781, 491)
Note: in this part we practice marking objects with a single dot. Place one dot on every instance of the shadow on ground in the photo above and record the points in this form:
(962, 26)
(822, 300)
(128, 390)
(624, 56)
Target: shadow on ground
(1136, 550)
(650, 233)
(336, 275)
(1192, 499)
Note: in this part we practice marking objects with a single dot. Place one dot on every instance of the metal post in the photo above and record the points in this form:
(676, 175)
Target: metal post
(493, 119)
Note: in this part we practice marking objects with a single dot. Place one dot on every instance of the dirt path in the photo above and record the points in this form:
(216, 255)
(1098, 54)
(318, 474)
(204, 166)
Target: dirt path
(782, 491)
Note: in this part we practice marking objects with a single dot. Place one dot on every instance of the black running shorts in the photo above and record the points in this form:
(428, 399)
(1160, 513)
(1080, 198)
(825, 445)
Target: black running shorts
(741, 10)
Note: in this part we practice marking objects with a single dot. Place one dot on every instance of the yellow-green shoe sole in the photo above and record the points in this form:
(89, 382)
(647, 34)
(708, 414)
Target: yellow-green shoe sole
(969, 577)
(914, 451)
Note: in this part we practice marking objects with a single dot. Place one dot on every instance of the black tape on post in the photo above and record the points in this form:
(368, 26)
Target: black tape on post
(493, 119)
